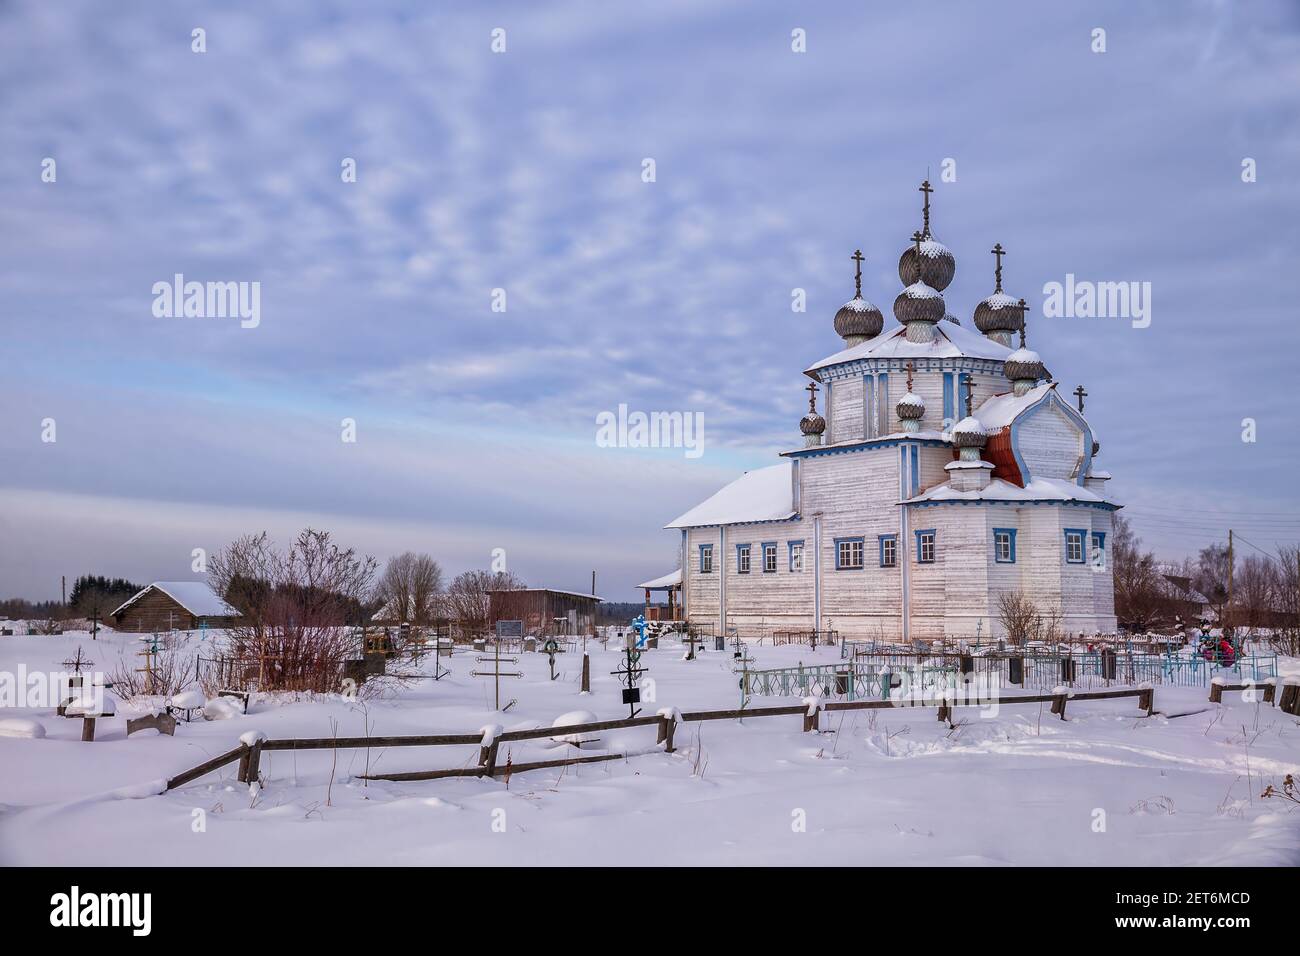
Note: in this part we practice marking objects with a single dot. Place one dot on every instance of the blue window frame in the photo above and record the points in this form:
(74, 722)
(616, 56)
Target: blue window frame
(889, 550)
(849, 554)
(948, 402)
(1004, 545)
(1098, 556)
(925, 547)
(742, 559)
(796, 556)
(1074, 538)
(769, 557)
(706, 559)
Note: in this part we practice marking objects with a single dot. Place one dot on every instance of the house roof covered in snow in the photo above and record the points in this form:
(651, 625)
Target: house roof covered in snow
(764, 494)
(950, 341)
(1036, 489)
(670, 580)
(195, 596)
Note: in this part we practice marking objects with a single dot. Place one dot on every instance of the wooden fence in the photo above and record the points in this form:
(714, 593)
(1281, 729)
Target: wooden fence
(249, 754)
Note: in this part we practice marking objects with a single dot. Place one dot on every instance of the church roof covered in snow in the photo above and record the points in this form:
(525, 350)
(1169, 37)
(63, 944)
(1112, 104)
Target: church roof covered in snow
(670, 580)
(1001, 410)
(195, 596)
(764, 494)
(1037, 489)
(950, 341)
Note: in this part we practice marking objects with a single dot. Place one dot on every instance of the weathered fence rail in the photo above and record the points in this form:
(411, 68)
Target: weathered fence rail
(248, 754)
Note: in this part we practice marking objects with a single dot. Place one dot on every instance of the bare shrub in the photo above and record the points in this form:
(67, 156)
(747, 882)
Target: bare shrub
(296, 608)
(174, 669)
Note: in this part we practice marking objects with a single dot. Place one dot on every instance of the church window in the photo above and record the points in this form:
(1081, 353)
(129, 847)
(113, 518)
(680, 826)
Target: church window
(925, 546)
(848, 554)
(889, 550)
(706, 559)
(742, 559)
(1004, 545)
(1074, 545)
(1098, 555)
(796, 556)
(769, 557)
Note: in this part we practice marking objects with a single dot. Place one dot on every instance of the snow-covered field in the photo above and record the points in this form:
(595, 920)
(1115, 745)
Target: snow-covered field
(875, 787)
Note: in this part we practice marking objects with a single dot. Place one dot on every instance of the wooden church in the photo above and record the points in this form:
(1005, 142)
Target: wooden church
(947, 470)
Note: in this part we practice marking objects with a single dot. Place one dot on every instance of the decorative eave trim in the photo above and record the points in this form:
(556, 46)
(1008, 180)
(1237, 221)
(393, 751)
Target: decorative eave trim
(1101, 505)
(868, 445)
(863, 366)
(736, 524)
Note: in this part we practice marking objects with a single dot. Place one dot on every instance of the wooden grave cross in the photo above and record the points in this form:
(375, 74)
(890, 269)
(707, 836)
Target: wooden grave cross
(629, 674)
(496, 673)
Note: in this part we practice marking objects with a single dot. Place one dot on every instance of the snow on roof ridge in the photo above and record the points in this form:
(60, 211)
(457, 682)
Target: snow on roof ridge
(197, 597)
(764, 494)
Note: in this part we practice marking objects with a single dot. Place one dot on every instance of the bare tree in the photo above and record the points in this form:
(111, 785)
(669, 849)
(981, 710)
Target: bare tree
(468, 600)
(1143, 598)
(1254, 586)
(295, 606)
(1016, 613)
(410, 588)
(1286, 602)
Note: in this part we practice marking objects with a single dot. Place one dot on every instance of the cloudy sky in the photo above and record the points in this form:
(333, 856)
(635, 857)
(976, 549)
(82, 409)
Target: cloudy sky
(522, 171)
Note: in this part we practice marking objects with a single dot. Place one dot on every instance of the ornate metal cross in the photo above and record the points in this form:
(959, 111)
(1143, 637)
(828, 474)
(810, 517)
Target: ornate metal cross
(925, 211)
(858, 258)
(998, 251)
(1081, 393)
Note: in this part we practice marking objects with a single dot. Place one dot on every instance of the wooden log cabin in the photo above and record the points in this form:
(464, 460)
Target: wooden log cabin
(174, 606)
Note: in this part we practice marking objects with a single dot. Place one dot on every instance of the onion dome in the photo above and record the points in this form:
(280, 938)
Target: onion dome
(812, 425)
(949, 317)
(858, 320)
(999, 315)
(930, 262)
(1096, 448)
(911, 407)
(937, 265)
(919, 303)
(969, 433)
(1024, 366)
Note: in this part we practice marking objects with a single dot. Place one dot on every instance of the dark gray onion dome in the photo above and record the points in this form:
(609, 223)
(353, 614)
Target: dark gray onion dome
(937, 265)
(949, 317)
(1025, 364)
(858, 317)
(919, 303)
(999, 313)
(911, 406)
(812, 424)
(969, 433)
(1096, 448)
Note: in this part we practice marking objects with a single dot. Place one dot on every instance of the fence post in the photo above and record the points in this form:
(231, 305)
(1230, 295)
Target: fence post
(254, 761)
(586, 674)
(242, 776)
(1216, 693)
(1058, 705)
(667, 726)
(487, 758)
(1147, 700)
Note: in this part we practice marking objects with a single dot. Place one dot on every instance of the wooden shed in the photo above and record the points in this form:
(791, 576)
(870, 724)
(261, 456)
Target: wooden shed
(543, 610)
(174, 606)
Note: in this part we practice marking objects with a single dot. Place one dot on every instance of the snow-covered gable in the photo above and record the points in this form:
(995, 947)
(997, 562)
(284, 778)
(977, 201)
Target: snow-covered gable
(765, 494)
(950, 341)
(195, 596)
(1035, 435)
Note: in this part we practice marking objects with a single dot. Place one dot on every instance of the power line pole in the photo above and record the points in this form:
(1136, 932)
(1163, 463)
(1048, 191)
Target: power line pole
(1228, 616)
